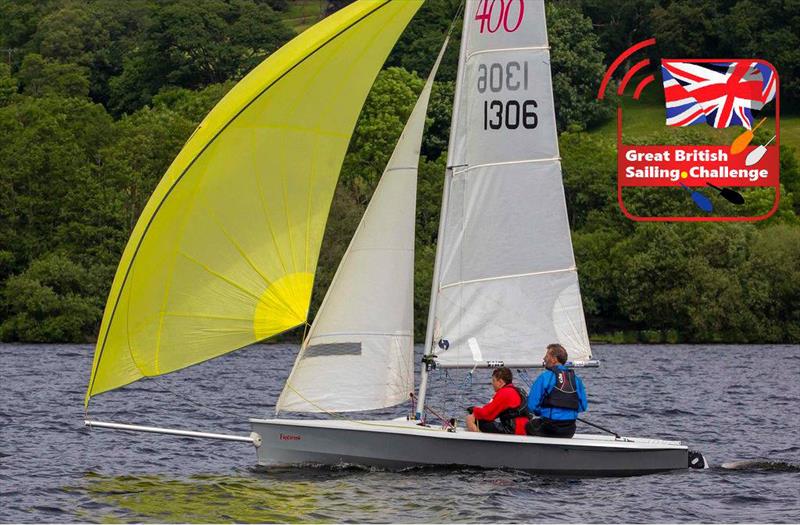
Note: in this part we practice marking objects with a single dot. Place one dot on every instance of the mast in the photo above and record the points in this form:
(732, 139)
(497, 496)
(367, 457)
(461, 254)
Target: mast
(454, 126)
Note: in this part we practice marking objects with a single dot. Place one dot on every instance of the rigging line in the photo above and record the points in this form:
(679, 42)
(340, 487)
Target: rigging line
(183, 397)
(445, 421)
(450, 386)
(306, 327)
(315, 405)
(303, 343)
(363, 332)
(459, 11)
(191, 163)
(407, 372)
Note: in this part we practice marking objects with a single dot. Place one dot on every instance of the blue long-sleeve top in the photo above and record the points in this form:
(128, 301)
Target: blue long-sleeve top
(543, 385)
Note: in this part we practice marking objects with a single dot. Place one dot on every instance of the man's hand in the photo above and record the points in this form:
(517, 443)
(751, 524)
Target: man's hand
(469, 410)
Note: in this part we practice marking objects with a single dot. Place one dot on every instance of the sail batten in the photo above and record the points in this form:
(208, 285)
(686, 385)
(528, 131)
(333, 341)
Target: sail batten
(514, 276)
(234, 227)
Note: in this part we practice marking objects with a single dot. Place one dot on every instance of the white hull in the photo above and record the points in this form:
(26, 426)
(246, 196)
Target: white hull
(401, 444)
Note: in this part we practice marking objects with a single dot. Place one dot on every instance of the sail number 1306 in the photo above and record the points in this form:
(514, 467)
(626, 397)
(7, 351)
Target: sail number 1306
(509, 114)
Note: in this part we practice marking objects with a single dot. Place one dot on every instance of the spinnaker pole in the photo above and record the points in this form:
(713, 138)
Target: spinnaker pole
(253, 438)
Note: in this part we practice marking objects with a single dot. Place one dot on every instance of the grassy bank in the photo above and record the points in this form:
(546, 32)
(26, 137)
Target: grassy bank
(302, 14)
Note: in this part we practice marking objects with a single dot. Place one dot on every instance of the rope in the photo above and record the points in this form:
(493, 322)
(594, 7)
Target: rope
(523, 375)
(445, 421)
(466, 383)
(455, 19)
(319, 408)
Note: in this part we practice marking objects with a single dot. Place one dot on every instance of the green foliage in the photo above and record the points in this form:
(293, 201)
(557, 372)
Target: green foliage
(18, 22)
(685, 279)
(774, 299)
(599, 293)
(437, 125)
(145, 144)
(385, 112)
(769, 30)
(192, 104)
(41, 77)
(619, 25)
(671, 23)
(195, 44)
(8, 85)
(52, 300)
(419, 44)
(430, 181)
(345, 214)
(96, 36)
(49, 147)
(577, 66)
(590, 175)
(97, 98)
(790, 174)
(277, 5)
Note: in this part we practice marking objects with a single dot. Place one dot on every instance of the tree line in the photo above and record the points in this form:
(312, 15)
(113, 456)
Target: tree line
(97, 97)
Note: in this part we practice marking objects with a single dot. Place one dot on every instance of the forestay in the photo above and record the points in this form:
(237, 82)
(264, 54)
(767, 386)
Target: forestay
(505, 275)
(359, 353)
(225, 251)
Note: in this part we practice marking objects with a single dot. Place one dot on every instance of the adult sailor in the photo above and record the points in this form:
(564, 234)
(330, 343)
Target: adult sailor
(557, 397)
(509, 405)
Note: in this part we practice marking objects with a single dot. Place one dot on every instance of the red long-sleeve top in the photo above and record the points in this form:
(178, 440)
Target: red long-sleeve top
(504, 399)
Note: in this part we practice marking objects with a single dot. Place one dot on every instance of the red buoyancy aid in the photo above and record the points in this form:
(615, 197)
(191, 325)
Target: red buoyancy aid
(506, 401)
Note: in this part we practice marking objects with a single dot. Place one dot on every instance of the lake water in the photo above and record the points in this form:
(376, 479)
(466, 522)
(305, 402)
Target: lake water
(733, 403)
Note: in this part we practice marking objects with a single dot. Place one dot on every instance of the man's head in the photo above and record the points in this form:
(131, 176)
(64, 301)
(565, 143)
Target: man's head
(556, 354)
(501, 377)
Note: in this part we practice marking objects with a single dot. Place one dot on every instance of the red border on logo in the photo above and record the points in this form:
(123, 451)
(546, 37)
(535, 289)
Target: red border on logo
(726, 218)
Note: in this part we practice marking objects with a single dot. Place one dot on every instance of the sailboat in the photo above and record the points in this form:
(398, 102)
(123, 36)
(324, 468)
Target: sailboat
(225, 251)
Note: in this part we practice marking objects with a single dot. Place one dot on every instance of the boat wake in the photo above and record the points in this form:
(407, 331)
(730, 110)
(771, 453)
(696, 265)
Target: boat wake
(762, 465)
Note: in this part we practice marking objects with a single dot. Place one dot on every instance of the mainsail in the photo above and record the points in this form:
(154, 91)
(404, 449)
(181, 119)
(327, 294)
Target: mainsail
(359, 353)
(224, 253)
(505, 282)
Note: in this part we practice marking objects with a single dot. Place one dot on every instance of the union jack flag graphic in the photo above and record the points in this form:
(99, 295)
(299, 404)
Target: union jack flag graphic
(721, 94)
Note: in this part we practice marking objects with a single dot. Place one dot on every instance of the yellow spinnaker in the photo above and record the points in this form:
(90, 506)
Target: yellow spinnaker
(224, 253)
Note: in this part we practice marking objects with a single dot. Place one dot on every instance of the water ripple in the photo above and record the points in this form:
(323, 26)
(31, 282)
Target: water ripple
(55, 470)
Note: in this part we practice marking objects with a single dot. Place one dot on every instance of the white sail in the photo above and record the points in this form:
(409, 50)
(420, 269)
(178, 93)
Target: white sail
(505, 283)
(359, 354)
